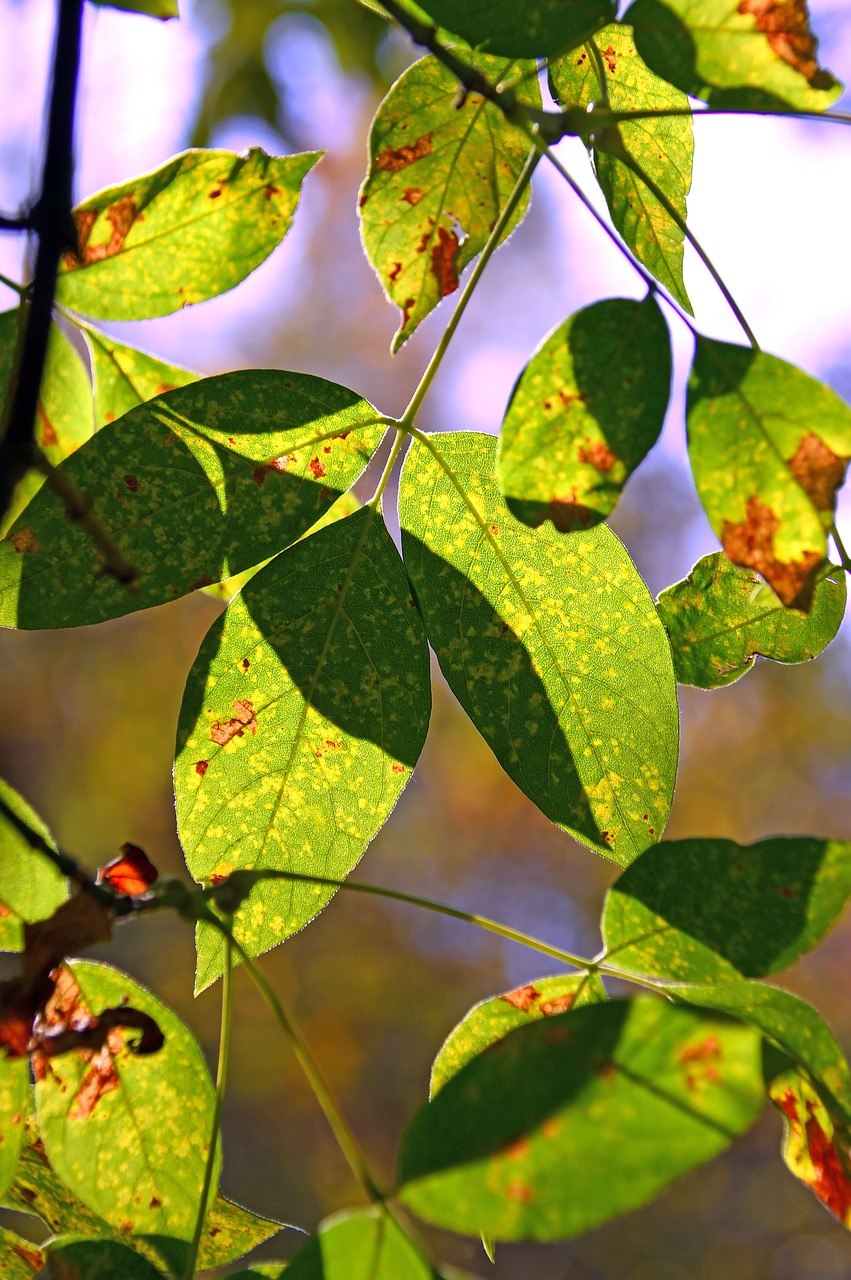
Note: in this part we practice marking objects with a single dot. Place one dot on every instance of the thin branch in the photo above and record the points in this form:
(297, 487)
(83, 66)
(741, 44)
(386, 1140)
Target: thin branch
(80, 508)
(20, 289)
(23, 222)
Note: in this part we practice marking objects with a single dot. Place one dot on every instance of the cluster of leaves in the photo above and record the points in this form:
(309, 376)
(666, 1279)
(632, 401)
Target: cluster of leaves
(553, 1108)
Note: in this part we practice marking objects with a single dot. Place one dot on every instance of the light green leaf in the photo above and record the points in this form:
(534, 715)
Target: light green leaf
(586, 409)
(551, 644)
(122, 1120)
(125, 377)
(663, 147)
(735, 53)
(153, 8)
(195, 486)
(31, 887)
(360, 1244)
(14, 1104)
(19, 1259)
(715, 911)
(572, 1120)
(532, 29)
(440, 171)
(789, 437)
(76, 1258)
(815, 1143)
(721, 617)
(303, 717)
(188, 231)
(266, 1270)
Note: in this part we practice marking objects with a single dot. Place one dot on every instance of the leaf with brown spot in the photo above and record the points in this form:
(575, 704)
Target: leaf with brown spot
(19, 1259)
(125, 377)
(816, 1144)
(132, 872)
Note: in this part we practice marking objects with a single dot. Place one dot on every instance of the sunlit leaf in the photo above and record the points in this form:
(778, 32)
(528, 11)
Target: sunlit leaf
(153, 8)
(14, 1103)
(31, 887)
(708, 910)
(304, 715)
(195, 486)
(789, 439)
(188, 231)
(491, 1019)
(125, 377)
(584, 412)
(533, 29)
(551, 644)
(735, 53)
(721, 617)
(76, 1258)
(440, 171)
(815, 1145)
(360, 1244)
(572, 1120)
(662, 146)
(19, 1259)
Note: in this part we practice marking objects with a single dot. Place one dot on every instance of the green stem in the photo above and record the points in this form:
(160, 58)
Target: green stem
(398, 445)
(844, 561)
(215, 1127)
(599, 70)
(20, 289)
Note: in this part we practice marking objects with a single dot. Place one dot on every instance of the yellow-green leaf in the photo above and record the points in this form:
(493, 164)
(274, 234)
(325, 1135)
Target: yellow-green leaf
(31, 887)
(125, 377)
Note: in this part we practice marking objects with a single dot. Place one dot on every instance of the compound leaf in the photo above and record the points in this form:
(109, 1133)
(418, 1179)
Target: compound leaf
(815, 1141)
(125, 377)
(551, 644)
(534, 29)
(586, 409)
(360, 1244)
(31, 886)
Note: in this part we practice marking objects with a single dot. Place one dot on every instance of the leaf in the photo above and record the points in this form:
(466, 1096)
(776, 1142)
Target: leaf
(492, 1019)
(714, 911)
(359, 1244)
(572, 1120)
(534, 29)
(70, 1258)
(815, 1146)
(586, 409)
(32, 887)
(303, 717)
(790, 437)
(663, 147)
(19, 1259)
(188, 231)
(735, 53)
(550, 643)
(120, 1121)
(440, 171)
(721, 617)
(132, 872)
(125, 377)
(195, 486)
(153, 8)
(14, 1103)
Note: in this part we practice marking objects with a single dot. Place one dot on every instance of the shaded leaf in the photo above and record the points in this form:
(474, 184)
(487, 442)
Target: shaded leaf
(132, 872)
(815, 1147)
(359, 1244)
(722, 616)
(572, 1120)
(708, 910)
(195, 486)
(189, 230)
(440, 171)
(14, 1104)
(303, 717)
(584, 412)
(663, 147)
(31, 887)
(551, 644)
(76, 1258)
(153, 8)
(125, 377)
(533, 29)
(19, 1259)
(790, 436)
(735, 53)
(491, 1019)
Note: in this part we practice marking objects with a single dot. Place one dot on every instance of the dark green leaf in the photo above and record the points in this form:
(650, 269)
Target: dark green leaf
(195, 486)
(19, 1259)
(75, 1258)
(491, 1019)
(524, 29)
(584, 412)
(125, 377)
(304, 715)
(572, 1120)
(815, 1144)
(790, 436)
(714, 911)
(14, 1103)
(551, 644)
(31, 888)
(440, 171)
(360, 1244)
(663, 147)
(721, 617)
(188, 231)
(735, 53)
(153, 8)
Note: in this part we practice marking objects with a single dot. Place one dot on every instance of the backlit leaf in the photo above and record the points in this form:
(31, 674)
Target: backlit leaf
(491, 1019)
(31, 887)
(551, 644)
(190, 230)
(195, 486)
(815, 1143)
(359, 1244)
(303, 717)
(440, 171)
(125, 377)
(572, 1120)
(735, 53)
(663, 147)
(584, 412)
(153, 8)
(14, 1103)
(70, 1258)
(708, 910)
(528, 29)
(721, 617)
(19, 1259)
(790, 437)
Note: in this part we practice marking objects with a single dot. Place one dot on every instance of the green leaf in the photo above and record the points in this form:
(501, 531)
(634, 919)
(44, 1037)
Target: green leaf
(586, 409)
(37, 1190)
(122, 1121)
(195, 486)
(551, 644)
(190, 230)
(303, 717)
(267, 1270)
(153, 8)
(125, 377)
(19, 1259)
(572, 1120)
(75, 1258)
(735, 53)
(440, 171)
(662, 147)
(790, 437)
(491, 1019)
(532, 29)
(360, 1244)
(815, 1145)
(721, 617)
(715, 911)
(31, 886)
(14, 1103)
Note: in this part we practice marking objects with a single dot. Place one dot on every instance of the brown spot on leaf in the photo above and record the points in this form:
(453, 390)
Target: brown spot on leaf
(259, 475)
(221, 733)
(269, 191)
(518, 1149)
(316, 469)
(413, 195)
(23, 540)
(48, 438)
(4, 911)
(752, 544)
(786, 23)
(522, 997)
(100, 1079)
(245, 664)
(611, 59)
(394, 272)
(392, 159)
(120, 216)
(215, 193)
(708, 1048)
(598, 455)
(397, 768)
(818, 470)
(558, 1004)
(519, 1191)
(32, 1258)
(406, 310)
(132, 872)
(154, 1202)
(786, 892)
(132, 483)
(443, 264)
(201, 767)
(204, 581)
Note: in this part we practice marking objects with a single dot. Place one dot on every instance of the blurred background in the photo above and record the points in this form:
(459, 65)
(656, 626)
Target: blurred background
(87, 717)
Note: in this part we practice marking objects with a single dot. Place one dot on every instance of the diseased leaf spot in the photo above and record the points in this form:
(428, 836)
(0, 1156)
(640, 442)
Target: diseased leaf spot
(558, 1004)
(413, 195)
(610, 58)
(245, 664)
(215, 193)
(397, 768)
(316, 469)
(708, 1048)
(752, 544)
(443, 262)
(392, 159)
(120, 216)
(132, 872)
(597, 454)
(522, 998)
(204, 581)
(394, 271)
(132, 483)
(786, 23)
(222, 733)
(520, 1192)
(201, 767)
(818, 470)
(23, 540)
(49, 438)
